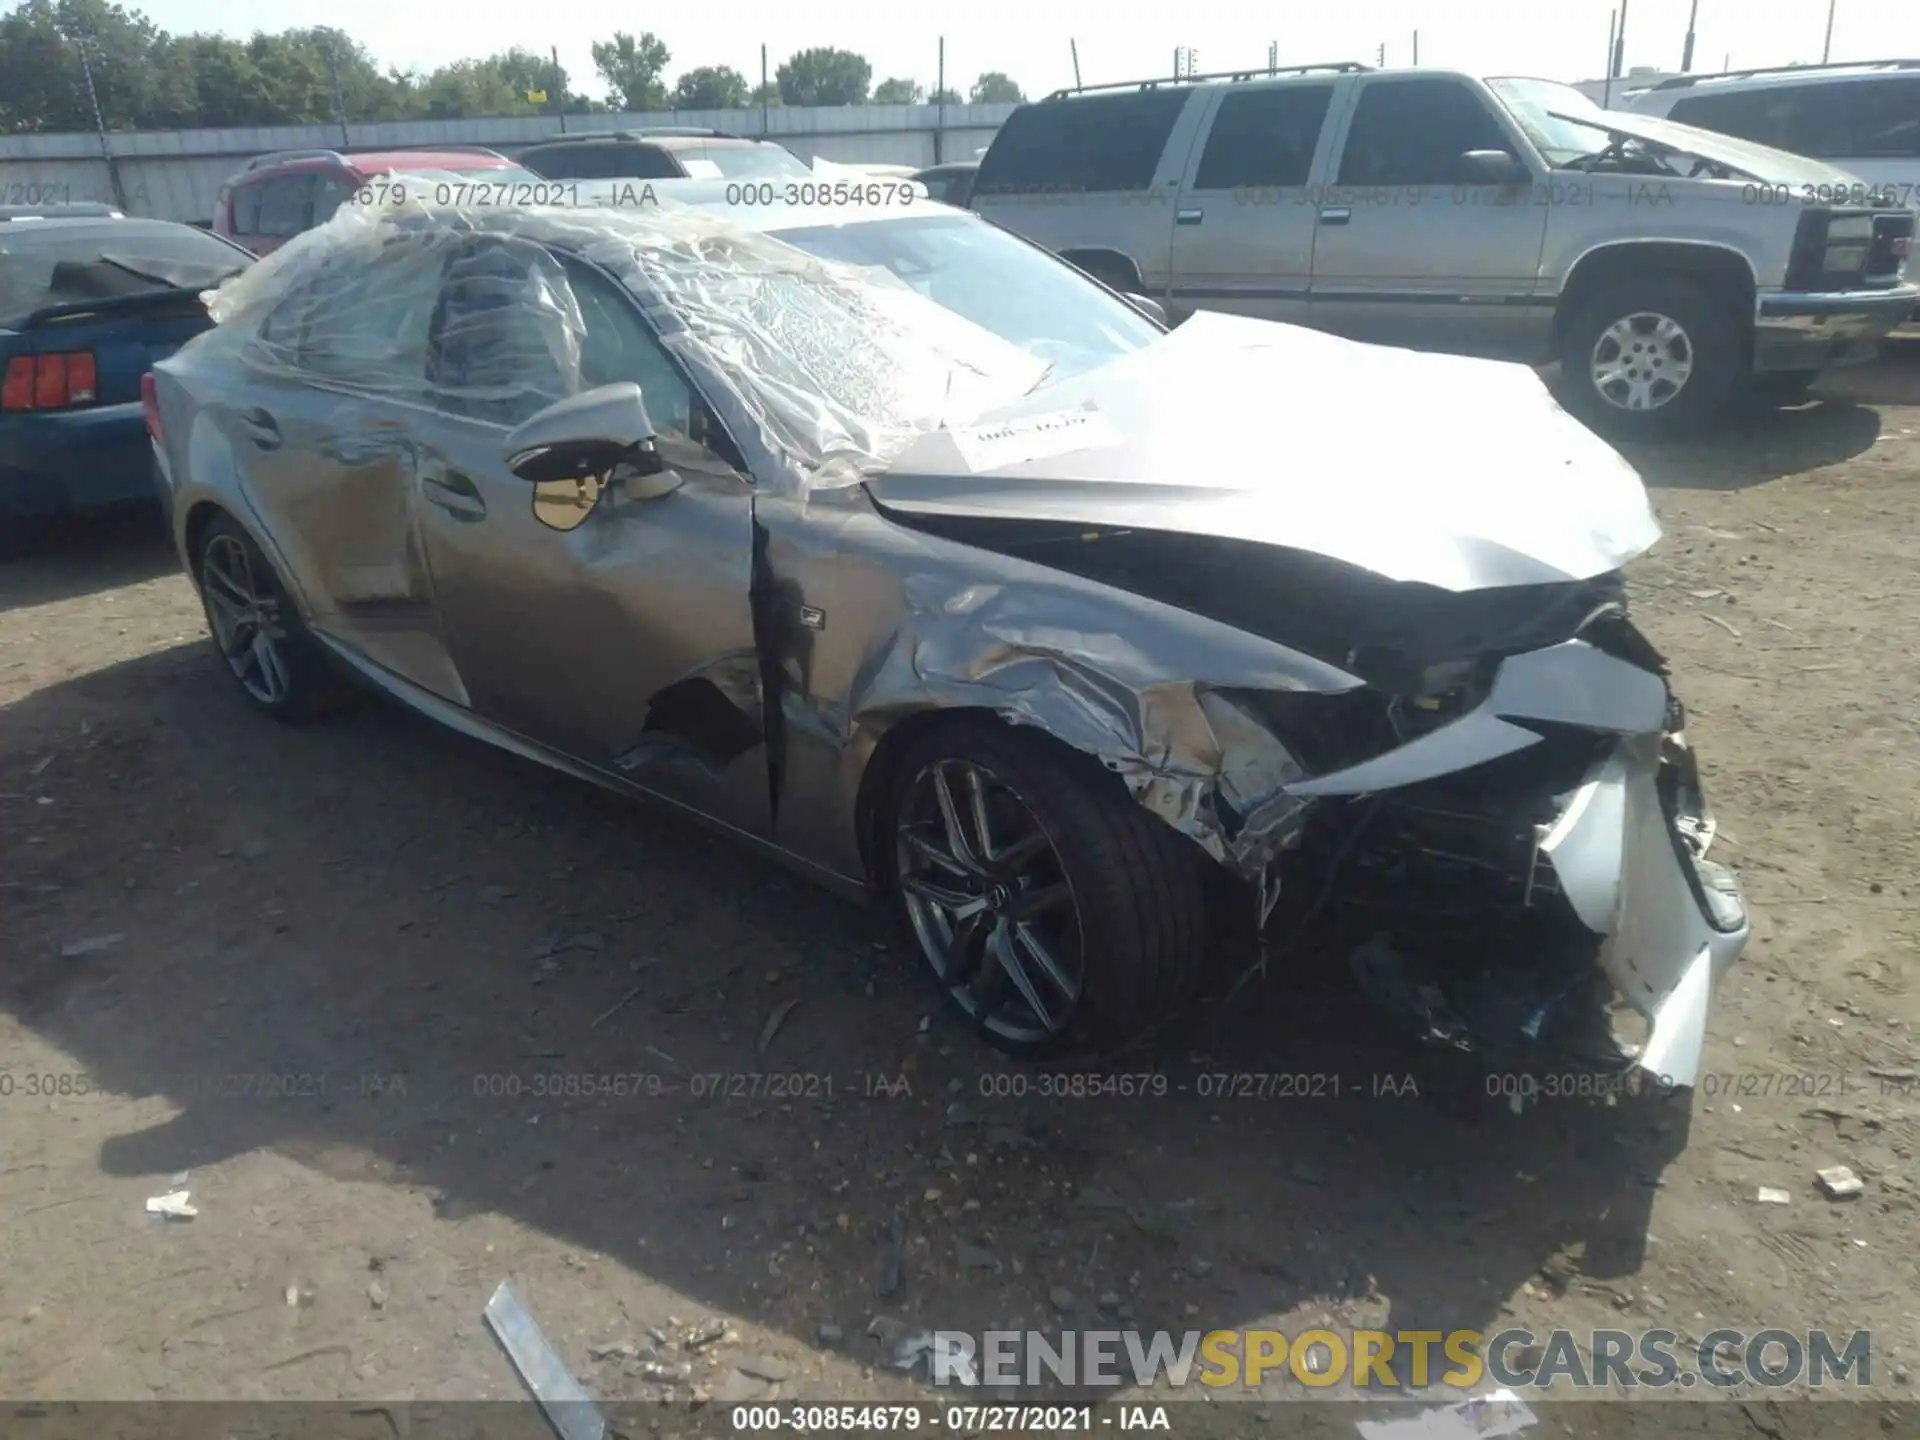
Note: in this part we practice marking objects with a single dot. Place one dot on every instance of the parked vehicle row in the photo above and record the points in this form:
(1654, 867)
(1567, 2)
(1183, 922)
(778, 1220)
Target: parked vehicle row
(1508, 218)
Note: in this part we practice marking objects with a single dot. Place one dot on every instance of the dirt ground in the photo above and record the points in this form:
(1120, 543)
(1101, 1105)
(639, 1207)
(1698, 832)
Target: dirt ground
(369, 983)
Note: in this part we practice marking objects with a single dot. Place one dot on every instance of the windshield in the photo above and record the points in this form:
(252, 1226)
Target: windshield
(64, 263)
(1531, 102)
(1005, 286)
(738, 162)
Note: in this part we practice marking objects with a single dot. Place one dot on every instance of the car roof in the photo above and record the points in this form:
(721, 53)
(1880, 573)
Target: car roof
(80, 210)
(376, 162)
(1856, 73)
(79, 226)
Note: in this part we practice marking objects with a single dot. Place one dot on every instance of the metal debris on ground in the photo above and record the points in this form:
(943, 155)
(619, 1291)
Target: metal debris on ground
(92, 945)
(775, 1021)
(571, 1411)
(1485, 1416)
(174, 1205)
(1839, 1182)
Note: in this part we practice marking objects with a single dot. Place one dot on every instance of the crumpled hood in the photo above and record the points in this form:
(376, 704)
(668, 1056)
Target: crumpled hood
(1454, 472)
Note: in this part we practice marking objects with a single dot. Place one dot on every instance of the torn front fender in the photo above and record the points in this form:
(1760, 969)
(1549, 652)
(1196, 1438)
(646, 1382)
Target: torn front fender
(1048, 654)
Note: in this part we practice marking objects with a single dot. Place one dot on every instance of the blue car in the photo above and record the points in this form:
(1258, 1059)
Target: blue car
(89, 300)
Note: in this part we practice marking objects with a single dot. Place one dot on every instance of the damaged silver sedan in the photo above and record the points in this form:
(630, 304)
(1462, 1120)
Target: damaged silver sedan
(888, 543)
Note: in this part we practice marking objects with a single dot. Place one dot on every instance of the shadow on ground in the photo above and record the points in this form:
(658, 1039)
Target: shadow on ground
(71, 558)
(374, 897)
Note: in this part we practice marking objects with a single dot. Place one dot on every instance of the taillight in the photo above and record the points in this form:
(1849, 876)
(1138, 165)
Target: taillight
(150, 407)
(50, 382)
(18, 392)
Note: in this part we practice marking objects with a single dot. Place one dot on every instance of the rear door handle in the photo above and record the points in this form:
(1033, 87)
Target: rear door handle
(454, 493)
(261, 428)
(1336, 215)
(1189, 217)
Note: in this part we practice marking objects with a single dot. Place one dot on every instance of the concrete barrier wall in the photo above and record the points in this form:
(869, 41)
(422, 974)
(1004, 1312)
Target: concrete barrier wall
(175, 174)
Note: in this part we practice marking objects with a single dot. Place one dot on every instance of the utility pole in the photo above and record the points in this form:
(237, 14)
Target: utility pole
(1416, 49)
(333, 79)
(1074, 46)
(1620, 44)
(764, 101)
(940, 88)
(1686, 54)
(1273, 56)
(1606, 90)
(1826, 50)
(559, 91)
(79, 43)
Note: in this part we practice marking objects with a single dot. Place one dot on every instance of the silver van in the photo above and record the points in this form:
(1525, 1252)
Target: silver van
(1663, 266)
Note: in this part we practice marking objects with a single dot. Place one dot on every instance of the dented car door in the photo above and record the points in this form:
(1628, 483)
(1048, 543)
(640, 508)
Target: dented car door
(627, 642)
(322, 444)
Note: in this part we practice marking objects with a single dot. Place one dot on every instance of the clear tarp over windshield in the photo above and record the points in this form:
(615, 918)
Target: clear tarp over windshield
(840, 359)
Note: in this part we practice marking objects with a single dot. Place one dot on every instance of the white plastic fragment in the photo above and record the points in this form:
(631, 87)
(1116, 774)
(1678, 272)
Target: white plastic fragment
(1839, 1182)
(174, 1205)
(1773, 1195)
(573, 1413)
(1501, 1413)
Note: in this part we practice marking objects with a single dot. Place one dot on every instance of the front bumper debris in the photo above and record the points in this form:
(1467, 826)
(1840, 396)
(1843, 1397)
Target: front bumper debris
(1609, 858)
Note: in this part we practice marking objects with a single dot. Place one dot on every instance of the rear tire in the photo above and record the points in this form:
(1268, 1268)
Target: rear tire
(1650, 358)
(1076, 886)
(257, 630)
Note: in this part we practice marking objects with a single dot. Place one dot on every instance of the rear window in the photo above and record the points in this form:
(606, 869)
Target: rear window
(1857, 119)
(68, 264)
(611, 161)
(1093, 144)
(739, 162)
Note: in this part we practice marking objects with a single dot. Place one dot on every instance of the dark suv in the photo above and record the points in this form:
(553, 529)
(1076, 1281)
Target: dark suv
(667, 153)
(280, 195)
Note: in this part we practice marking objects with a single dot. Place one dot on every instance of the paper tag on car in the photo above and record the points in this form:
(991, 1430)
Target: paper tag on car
(1032, 437)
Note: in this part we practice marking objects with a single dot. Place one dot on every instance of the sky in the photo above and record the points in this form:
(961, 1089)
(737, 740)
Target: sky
(1118, 39)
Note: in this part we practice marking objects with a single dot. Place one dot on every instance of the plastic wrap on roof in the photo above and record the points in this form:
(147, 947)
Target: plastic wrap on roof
(840, 367)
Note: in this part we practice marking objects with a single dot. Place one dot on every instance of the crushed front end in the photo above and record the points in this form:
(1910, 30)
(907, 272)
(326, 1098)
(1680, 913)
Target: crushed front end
(1511, 846)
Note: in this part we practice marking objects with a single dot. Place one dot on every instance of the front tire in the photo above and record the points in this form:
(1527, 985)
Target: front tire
(1056, 915)
(1650, 358)
(257, 630)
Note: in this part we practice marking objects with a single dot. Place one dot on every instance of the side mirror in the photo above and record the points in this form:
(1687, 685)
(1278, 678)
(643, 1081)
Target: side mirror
(1490, 167)
(1149, 307)
(586, 436)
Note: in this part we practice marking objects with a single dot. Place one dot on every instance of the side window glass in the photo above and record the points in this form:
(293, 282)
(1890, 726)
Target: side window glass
(246, 209)
(368, 324)
(286, 205)
(1264, 137)
(617, 345)
(332, 192)
(1413, 132)
(1885, 116)
(558, 163)
(1089, 145)
(502, 347)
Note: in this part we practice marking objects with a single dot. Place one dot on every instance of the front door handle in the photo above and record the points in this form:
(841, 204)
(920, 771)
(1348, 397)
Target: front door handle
(1189, 217)
(1336, 215)
(454, 493)
(261, 428)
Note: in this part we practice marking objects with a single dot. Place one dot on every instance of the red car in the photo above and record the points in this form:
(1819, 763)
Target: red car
(280, 195)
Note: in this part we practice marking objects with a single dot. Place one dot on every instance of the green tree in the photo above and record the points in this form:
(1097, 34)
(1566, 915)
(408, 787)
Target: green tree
(43, 83)
(946, 96)
(711, 87)
(496, 85)
(824, 76)
(996, 88)
(767, 94)
(632, 68)
(898, 92)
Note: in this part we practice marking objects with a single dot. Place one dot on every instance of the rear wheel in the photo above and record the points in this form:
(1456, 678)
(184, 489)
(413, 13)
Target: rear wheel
(1650, 358)
(1055, 913)
(258, 632)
